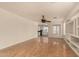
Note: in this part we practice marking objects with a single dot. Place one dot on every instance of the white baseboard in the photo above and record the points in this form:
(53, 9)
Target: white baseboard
(12, 44)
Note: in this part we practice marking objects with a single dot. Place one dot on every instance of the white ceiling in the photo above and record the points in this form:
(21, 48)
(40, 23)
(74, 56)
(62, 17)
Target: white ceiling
(34, 10)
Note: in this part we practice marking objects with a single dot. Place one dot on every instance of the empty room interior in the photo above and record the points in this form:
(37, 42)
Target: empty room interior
(39, 29)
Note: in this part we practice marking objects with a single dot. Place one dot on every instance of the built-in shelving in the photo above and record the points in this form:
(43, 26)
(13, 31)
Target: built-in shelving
(75, 36)
(72, 34)
(75, 41)
(72, 46)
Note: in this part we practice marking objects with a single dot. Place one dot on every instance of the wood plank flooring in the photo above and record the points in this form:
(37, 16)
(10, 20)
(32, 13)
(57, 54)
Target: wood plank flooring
(39, 47)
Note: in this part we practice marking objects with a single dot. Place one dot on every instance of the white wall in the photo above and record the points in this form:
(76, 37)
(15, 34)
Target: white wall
(15, 29)
(73, 11)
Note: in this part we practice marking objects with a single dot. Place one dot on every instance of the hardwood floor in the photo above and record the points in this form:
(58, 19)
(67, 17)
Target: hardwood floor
(43, 47)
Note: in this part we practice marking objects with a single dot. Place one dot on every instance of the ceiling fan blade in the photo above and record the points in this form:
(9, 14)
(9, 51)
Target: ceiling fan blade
(48, 21)
(43, 20)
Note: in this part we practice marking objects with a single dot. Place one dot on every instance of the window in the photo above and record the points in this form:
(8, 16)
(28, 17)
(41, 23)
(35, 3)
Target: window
(56, 29)
(45, 30)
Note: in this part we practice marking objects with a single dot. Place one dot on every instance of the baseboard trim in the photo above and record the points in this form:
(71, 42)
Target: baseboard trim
(16, 43)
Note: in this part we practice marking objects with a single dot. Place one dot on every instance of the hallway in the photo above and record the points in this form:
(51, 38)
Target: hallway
(42, 46)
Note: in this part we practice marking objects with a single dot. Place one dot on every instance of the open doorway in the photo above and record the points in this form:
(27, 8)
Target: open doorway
(43, 30)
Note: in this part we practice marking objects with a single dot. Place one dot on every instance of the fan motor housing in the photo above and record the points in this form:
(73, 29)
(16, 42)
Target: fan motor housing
(43, 21)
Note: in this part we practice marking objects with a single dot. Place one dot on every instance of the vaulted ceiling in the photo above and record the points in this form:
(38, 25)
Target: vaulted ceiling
(34, 10)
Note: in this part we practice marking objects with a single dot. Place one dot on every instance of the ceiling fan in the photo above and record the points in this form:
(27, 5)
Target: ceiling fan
(43, 20)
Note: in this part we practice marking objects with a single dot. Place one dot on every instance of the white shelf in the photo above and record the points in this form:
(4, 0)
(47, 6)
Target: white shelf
(76, 36)
(72, 35)
(72, 47)
(75, 43)
(72, 43)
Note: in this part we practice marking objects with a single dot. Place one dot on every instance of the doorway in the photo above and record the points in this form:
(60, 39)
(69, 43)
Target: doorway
(44, 29)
